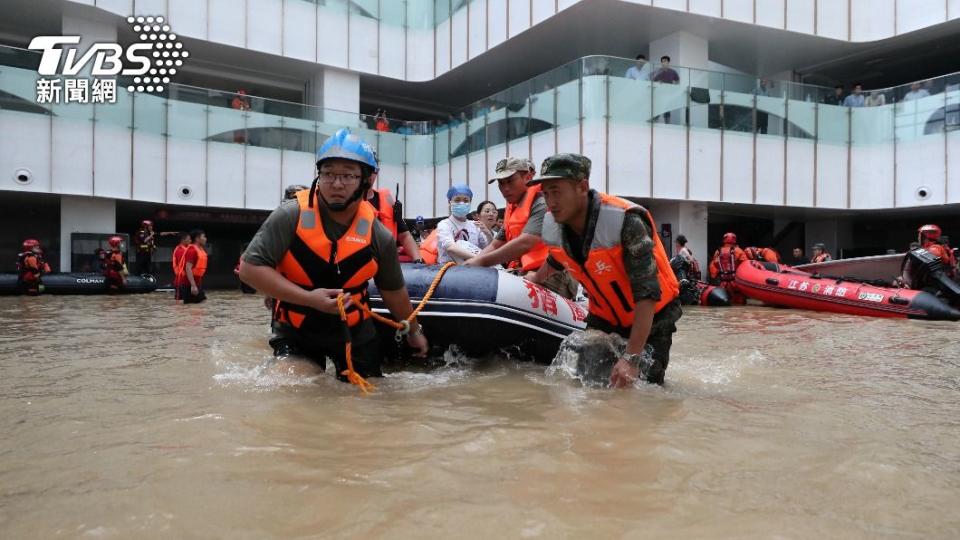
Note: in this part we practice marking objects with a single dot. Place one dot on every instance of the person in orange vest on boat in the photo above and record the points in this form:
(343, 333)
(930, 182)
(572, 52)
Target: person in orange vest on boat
(723, 266)
(390, 213)
(327, 243)
(31, 267)
(820, 254)
(519, 244)
(115, 271)
(611, 247)
(929, 237)
(764, 254)
(193, 266)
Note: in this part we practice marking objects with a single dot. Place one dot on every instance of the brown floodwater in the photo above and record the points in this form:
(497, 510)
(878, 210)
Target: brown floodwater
(132, 417)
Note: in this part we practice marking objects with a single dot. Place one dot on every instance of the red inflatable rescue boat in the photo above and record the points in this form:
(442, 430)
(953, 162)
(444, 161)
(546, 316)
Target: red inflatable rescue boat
(782, 285)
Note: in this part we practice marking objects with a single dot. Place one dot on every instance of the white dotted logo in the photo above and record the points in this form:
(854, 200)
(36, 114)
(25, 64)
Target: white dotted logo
(167, 53)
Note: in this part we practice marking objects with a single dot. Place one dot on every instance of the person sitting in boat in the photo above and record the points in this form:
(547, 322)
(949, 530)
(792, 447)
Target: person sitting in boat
(820, 254)
(762, 254)
(930, 239)
(115, 271)
(31, 266)
(611, 247)
(458, 238)
(693, 271)
(325, 244)
(520, 238)
(723, 267)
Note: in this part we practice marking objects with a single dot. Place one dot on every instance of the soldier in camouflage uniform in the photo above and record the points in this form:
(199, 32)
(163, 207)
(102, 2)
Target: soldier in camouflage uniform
(610, 245)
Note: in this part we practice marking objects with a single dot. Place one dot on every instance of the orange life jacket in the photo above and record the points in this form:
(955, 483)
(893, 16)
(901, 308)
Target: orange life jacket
(199, 269)
(177, 261)
(314, 260)
(429, 251)
(385, 211)
(761, 254)
(515, 218)
(603, 274)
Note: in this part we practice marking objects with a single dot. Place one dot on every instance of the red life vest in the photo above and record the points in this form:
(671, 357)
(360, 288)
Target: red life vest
(515, 218)
(603, 274)
(727, 262)
(314, 260)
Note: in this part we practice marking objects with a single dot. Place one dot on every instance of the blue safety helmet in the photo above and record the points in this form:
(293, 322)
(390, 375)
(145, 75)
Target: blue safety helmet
(459, 189)
(345, 145)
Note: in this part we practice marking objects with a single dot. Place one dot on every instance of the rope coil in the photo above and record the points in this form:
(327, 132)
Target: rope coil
(402, 327)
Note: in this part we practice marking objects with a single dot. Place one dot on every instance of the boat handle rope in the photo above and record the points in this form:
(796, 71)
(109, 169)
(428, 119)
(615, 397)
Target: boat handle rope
(402, 327)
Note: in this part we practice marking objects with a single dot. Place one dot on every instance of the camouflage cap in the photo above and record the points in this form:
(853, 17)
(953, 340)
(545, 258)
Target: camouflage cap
(508, 166)
(572, 166)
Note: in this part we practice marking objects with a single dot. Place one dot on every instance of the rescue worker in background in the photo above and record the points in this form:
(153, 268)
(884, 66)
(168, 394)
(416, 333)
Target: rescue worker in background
(520, 238)
(115, 272)
(611, 247)
(798, 257)
(820, 254)
(31, 267)
(177, 262)
(687, 254)
(146, 241)
(929, 237)
(193, 265)
(390, 213)
(762, 254)
(723, 267)
(326, 243)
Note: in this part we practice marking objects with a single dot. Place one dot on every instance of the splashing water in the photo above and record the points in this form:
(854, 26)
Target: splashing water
(589, 356)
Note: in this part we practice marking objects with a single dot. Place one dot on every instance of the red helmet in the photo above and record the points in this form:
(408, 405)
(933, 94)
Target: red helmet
(115, 241)
(30, 243)
(146, 222)
(930, 231)
(729, 238)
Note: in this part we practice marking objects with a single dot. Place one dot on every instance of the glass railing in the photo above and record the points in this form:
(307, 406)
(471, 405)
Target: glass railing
(415, 14)
(588, 90)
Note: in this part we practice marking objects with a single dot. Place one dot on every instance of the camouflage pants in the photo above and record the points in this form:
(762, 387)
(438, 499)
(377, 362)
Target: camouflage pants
(660, 338)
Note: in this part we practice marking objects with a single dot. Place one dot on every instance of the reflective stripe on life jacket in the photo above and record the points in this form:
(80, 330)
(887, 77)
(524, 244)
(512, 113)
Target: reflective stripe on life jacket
(385, 211)
(429, 251)
(727, 261)
(515, 218)
(603, 274)
(314, 261)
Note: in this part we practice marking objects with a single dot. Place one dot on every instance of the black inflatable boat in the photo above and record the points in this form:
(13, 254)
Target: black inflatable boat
(484, 310)
(78, 283)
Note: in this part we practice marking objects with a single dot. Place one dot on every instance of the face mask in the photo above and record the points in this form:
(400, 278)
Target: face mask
(460, 209)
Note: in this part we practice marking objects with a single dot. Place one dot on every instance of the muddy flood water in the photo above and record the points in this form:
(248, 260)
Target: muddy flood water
(132, 417)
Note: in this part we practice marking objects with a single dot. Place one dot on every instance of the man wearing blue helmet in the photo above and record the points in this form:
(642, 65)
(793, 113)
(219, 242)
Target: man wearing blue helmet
(458, 239)
(322, 244)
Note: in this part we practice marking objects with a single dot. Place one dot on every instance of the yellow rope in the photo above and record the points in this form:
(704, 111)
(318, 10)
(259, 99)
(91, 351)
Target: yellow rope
(352, 375)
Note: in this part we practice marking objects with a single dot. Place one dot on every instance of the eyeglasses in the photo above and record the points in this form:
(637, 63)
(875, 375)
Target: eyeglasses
(345, 179)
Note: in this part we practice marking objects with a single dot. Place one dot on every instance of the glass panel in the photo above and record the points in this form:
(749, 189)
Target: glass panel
(149, 114)
(737, 113)
(116, 114)
(262, 129)
(393, 12)
(568, 101)
(833, 123)
(597, 70)
(419, 14)
(458, 137)
(801, 110)
(542, 105)
(227, 123)
(367, 8)
(706, 90)
(476, 130)
(771, 107)
(669, 94)
(630, 93)
(517, 105)
(391, 149)
(497, 123)
(871, 125)
(952, 102)
(441, 145)
(919, 116)
(441, 11)
(300, 130)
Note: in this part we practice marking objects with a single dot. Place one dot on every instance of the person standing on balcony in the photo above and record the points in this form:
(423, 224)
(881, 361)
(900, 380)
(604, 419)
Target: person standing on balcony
(520, 238)
(836, 98)
(763, 118)
(640, 71)
(241, 103)
(666, 75)
(327, 243)
(610, 245)
(855, 99)
(876, 99)
(916, 92)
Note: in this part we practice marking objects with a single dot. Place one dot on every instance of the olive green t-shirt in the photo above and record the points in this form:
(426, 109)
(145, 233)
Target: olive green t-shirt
(276, 234)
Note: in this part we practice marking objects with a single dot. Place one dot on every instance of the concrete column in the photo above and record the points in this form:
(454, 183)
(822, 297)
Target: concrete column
(685, 51)
(337, 91)
(84, 215)
(686, 218)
